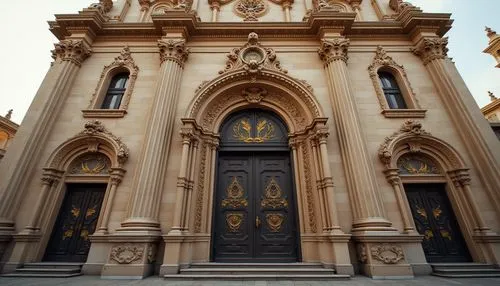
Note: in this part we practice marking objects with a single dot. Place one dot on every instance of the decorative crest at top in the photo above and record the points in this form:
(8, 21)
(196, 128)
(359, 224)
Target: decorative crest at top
(409, 127)
(492, 96)
(9, 114)
(382, 59)
(252, 57)
(490, 33)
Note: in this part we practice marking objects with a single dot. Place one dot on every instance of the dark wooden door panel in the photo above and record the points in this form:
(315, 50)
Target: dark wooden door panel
(254, 211)
(434, 218)
(77, 219)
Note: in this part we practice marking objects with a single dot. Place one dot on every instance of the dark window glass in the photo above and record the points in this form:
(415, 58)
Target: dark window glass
(391, 90)
(115, 91)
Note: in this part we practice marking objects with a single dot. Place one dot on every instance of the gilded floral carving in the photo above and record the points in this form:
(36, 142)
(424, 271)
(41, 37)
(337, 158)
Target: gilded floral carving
(90, 164)
(388, 254)
(127, 253)
(430, 49)
(75, 51)
(333, 50)
(173, 50)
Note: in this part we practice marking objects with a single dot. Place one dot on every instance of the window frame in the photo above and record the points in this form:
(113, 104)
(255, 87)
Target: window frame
(382, 63)
(124, 63)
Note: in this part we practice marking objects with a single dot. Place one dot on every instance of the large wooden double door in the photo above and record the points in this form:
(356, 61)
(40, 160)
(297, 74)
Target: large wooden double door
(76, 221)
(434, 218)
(255, 208)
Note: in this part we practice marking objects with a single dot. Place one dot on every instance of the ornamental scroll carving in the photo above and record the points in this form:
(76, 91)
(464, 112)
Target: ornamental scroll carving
(174, 50)
(200, 189)
(429, 49)
(75, 51)
(388, 254)
(308, 184)
(252, 57)
(333, 50)
(127, 254)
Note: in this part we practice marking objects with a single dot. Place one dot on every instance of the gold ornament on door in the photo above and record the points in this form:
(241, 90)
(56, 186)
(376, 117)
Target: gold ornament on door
(234, 193)
(273, 196)
(275, 221)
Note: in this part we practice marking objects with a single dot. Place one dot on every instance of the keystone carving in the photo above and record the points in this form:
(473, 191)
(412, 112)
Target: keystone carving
(126, 254)
(253, 57)
(333, 50)
(253, 94)
(388, 254)
(430, 49)
(75, 51)
(173, 50)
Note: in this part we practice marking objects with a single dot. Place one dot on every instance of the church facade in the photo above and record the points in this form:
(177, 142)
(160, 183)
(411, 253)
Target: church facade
(168, 133)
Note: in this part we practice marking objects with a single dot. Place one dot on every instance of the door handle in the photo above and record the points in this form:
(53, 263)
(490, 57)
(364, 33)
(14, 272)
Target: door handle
(257, 222)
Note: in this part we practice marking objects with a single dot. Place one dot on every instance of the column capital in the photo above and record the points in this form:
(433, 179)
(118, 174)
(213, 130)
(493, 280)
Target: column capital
(460, 177)
(392, 176)
(322, 135)
(116, 175)
(75, 51)
(429, 49)
(173, 50)
(51, 176)
(333, 50)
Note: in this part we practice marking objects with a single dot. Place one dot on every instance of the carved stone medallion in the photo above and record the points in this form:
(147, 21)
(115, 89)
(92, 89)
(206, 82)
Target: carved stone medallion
(388, 254)
(250, 10)
(126, 254)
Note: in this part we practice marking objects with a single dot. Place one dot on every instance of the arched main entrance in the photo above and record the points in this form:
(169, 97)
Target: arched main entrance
(254, 210)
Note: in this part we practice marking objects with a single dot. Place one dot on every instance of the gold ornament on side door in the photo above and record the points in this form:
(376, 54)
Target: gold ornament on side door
(257, 222)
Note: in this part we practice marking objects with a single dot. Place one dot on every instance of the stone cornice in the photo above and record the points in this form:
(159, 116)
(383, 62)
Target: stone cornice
(490, 106)
(409, 23)
(8, 125)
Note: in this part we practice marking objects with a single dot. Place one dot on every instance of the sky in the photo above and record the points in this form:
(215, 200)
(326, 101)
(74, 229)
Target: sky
(26, 43)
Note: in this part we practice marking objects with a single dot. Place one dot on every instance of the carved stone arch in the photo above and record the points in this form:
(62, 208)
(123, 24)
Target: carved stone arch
(122, 63)
(94, 138)
(383, 62)
(411, 138)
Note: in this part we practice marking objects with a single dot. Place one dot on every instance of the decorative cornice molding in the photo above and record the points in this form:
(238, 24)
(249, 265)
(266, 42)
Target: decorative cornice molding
(429, 49)
(333, 50)
(173, 50)
(75, 51)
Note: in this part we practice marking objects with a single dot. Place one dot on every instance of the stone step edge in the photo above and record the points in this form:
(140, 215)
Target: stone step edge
(467, 270)
(243, 269)
(463, 264)
(254, 276)
(54, 264)
(41, 275)
(466, 275)
(263, 264)
(68, 270)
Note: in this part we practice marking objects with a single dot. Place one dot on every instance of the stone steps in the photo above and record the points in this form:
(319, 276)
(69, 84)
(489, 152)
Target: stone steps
(257, 271)
(47, 269)
(464, 270)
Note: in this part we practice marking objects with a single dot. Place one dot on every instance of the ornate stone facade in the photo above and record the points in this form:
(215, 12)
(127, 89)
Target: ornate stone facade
(193, 65)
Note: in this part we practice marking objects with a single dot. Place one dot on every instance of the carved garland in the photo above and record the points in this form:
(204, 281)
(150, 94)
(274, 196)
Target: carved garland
(388, 254)
(381, 59)
(126, 254)
(124, 60)
(308, 184)
(201, 188)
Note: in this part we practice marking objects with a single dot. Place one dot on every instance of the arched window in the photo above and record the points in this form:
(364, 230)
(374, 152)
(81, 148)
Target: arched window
(115, 91)
(392, 92)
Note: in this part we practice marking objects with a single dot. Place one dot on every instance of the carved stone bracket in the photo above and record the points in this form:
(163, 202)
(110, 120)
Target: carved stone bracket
(75, 51)
(333, 50)
(388, 254)
(173, 50)
(430, 49)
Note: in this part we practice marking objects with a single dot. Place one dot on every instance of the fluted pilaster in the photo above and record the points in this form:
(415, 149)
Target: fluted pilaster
(33, 133)
(145, 201)
(367, 206)
(469, 122)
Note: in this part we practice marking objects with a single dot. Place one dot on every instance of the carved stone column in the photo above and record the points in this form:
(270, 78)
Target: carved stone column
(368, 210)
(484, 150)
(115, 179)
(215, 7)
(145, 5)
(25, 149)
(393, 178)
(50, 178)
(145, 201)
(287, 6)
(142, 227)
